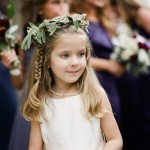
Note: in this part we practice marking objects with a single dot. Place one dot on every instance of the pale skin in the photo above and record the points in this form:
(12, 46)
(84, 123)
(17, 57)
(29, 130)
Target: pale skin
(73, 63)
(53, 8)
(143, 18)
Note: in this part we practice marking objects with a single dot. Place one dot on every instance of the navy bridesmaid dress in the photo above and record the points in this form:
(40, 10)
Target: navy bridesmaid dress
(129, 91)
(21, 128)
(133, 91)
(145, 98)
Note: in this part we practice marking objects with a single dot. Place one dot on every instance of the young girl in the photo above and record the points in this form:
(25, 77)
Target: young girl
(67, 107)
(100, 28)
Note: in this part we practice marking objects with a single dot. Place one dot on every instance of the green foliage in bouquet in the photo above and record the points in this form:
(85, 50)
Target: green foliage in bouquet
(8, 32)
(8, 37)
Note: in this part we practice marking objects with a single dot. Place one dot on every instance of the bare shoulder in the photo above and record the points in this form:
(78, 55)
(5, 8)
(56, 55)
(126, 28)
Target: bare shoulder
(143, 18)
(143, 12)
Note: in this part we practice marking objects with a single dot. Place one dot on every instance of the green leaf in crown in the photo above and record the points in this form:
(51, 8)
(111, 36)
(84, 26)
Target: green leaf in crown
(36, 34)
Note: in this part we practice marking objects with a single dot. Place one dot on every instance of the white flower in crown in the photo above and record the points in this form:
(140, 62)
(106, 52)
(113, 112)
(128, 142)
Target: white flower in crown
(38, 34)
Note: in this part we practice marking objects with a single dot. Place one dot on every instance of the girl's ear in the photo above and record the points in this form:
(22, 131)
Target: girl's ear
(49, 65)
(40, 12)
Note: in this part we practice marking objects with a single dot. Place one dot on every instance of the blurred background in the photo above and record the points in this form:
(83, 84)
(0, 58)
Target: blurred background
(129, 94)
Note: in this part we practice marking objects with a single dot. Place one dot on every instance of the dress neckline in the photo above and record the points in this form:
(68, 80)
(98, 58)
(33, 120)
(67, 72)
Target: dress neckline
(65, 98)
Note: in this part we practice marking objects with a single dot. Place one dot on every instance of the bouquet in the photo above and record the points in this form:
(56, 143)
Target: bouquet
(131, 50)
(8, 36)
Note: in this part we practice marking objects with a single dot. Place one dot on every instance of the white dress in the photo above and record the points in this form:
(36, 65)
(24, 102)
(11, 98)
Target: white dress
(68, 129)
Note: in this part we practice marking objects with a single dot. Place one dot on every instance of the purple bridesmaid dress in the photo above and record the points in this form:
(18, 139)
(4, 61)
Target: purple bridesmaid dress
(145, 98)
(8, 106)
(102, 48)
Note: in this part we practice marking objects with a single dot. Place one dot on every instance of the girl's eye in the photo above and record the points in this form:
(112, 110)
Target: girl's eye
(81, 54)
(65, 55)
(55, 1)
(65, 1)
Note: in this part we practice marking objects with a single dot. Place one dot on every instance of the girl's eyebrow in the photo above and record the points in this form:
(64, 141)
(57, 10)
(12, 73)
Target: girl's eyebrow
(80, 50)
(84, 49)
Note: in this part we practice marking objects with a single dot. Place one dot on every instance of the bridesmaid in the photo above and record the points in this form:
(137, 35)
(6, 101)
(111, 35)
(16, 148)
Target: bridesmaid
(8, 97)
(8, 84)
(100, 32)
(134, 91)
(138, 17)
(35, 12)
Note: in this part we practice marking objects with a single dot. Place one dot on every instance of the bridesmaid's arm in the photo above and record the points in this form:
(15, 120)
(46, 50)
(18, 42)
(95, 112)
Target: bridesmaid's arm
(36, 142)
(100, 63)
(7, 57)
(143, 18)
(109, 65)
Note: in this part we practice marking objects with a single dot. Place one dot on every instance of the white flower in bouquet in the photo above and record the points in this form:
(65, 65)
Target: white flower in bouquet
(123, 28)
(125, 47)
(143, 57)
(140, 38)
(133, 51)
(8, 35)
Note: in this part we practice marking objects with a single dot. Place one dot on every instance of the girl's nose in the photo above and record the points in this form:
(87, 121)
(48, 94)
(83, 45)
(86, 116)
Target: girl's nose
(74, 61)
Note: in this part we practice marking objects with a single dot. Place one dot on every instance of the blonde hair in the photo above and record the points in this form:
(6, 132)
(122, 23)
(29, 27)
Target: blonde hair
(41, 81)
(127, 6)
(79, 6)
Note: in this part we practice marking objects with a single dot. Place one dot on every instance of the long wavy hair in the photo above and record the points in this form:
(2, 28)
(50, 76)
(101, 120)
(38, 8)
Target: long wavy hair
(41, 80)
(79, 6)
(3, 6)
(129, 6)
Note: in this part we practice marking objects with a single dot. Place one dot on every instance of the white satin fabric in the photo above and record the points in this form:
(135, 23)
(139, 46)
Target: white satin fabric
(67, 128)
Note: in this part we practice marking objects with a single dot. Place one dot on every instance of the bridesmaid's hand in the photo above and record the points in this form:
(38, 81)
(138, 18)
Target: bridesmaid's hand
(116, 68)
(8, 57)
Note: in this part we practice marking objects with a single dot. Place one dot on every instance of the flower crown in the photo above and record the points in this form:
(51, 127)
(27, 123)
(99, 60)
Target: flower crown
(37, 34)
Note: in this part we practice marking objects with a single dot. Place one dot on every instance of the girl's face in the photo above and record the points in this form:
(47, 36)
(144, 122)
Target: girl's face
(54, 8)
(68, 59)
(96, 3)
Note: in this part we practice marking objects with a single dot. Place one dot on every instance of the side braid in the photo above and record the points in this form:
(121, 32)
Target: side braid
(38, 65)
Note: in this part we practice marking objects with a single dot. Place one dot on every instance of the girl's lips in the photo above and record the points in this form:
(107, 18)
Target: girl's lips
(72, 71)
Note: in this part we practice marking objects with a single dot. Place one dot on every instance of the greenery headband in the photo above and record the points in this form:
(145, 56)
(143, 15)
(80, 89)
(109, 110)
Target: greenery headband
(36, 34)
